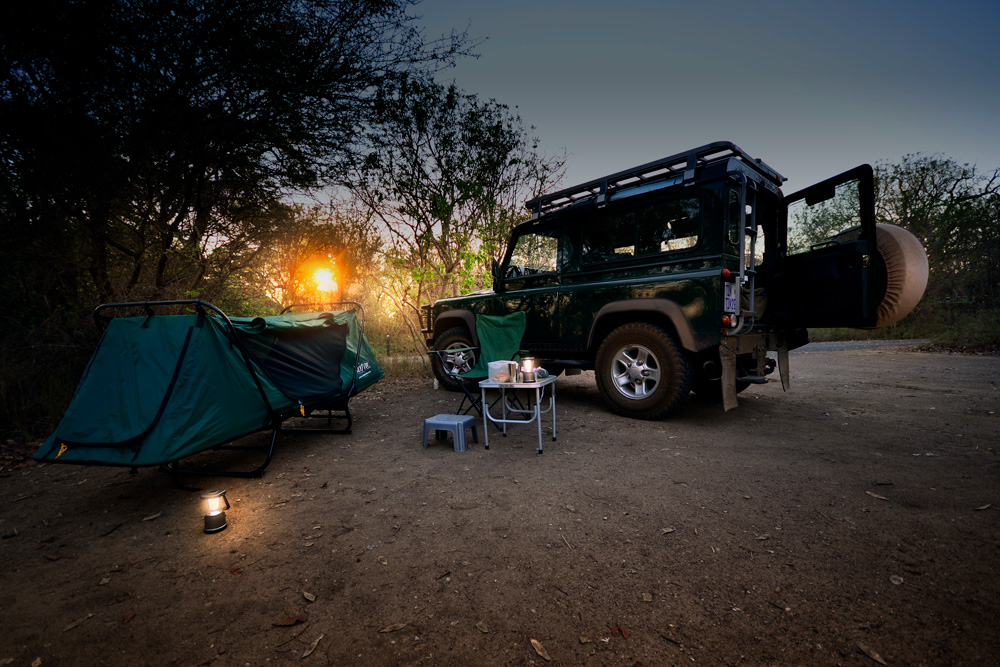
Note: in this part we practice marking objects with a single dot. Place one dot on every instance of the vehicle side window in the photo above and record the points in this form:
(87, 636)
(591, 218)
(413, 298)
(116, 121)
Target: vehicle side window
(534, 253)
(672, 225)
(608, 238)
(660, 227)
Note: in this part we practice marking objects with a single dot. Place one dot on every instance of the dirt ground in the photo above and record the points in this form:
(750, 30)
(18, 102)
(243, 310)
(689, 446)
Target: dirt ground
(852, 521)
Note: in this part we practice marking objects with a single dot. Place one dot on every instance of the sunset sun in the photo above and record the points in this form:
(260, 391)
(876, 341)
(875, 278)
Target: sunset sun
(324, 280)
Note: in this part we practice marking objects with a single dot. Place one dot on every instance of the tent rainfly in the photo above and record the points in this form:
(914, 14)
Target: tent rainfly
(160, 388)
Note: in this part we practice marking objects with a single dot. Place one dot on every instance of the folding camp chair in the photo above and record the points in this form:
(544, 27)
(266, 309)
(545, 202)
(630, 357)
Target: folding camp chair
(499, 340)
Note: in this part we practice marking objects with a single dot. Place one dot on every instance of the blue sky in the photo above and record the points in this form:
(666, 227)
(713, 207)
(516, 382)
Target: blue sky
(811, 88)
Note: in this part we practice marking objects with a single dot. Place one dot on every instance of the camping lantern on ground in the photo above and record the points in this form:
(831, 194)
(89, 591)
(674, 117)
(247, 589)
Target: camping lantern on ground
(215, 518)
(528, 367)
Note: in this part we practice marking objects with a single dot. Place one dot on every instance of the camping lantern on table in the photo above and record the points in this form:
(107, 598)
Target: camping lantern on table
(528, 367)
(215, 518)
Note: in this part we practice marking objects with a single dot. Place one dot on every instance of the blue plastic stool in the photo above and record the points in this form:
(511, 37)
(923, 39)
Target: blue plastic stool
(456, 424)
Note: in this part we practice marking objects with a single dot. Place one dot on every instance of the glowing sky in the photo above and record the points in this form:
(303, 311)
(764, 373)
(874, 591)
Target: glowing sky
(811, 88)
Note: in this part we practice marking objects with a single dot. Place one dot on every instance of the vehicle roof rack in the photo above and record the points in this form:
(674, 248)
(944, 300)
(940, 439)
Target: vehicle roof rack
(685, 164)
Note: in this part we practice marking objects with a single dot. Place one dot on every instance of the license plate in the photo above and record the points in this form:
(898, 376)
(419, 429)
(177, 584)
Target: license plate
(729, 300)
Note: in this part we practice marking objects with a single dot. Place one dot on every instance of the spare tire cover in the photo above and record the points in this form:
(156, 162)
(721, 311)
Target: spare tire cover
(906, 272)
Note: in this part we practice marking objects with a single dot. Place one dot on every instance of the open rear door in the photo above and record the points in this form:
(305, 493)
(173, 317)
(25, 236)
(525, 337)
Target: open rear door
(827, 277)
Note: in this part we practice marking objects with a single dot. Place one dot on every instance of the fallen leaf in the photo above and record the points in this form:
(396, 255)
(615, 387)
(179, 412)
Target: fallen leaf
(481, 626)
(896, 579)
(6, 661)
(235, 570)
(875, 495)
(624, 632)
(667, 530)
(540, 650)
(291, 620)
(37, 662)
(309, 596)
(128, 618)
(77, 622)
(984, 507)
(382, 560)
(312, 647)
(393, 628)
(153, 516)
(52, 556)
(871, 654)
(105, 581)
(614, 631)
(584, 639)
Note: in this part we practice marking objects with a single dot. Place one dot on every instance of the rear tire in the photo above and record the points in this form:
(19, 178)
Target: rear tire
(458, 362)
(642, 372)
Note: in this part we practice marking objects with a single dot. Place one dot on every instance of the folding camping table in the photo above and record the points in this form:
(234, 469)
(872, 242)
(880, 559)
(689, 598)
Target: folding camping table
(509, 408)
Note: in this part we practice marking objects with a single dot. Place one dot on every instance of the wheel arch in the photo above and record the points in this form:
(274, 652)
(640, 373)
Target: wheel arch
(452, 318)
(662, 313)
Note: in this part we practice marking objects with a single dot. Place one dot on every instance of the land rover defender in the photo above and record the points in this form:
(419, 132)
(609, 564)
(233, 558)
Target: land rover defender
(679, 275)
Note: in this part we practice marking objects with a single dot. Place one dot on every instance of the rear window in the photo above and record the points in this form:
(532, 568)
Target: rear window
(654, 229)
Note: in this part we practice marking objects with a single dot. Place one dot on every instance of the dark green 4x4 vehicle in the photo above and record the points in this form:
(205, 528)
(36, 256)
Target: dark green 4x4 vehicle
(679, 275)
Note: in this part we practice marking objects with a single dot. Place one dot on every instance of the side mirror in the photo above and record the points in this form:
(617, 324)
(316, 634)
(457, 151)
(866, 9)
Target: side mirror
(497, 277)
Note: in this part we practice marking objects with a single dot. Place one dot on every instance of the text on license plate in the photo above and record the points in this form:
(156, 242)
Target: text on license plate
(729, 300)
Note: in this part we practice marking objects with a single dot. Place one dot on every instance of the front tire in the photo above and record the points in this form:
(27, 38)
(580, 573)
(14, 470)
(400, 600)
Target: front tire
(642, 372)
(453, 362)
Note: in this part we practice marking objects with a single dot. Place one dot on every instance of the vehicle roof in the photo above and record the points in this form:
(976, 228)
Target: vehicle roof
(675, 169)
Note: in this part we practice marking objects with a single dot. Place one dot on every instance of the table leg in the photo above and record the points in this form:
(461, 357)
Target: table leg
(552, 406)
(486, 419)
(538, 417)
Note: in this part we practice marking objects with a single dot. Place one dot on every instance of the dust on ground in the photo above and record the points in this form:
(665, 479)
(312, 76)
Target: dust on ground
(852, 521)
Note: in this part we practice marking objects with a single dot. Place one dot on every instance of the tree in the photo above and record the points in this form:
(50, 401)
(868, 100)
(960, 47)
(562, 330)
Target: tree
(446, 174)
(141, 127)
(328, 238)
(146, 146)
(954, 209)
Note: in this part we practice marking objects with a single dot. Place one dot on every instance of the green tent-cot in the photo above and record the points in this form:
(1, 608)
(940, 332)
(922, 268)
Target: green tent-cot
(160, 388)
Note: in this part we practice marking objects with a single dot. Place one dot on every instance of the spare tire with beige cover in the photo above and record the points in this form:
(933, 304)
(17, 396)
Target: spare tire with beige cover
(906, 272)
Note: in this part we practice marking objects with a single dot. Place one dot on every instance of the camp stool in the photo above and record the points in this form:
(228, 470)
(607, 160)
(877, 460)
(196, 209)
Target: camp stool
(454, 423)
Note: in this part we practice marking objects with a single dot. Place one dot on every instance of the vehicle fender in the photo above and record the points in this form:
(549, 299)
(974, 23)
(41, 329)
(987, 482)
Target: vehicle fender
(453, 318)
(661, 308)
